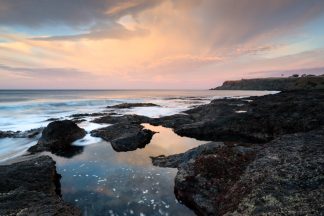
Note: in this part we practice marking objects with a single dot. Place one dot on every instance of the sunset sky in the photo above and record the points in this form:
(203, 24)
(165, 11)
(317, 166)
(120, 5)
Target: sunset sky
(160, 44)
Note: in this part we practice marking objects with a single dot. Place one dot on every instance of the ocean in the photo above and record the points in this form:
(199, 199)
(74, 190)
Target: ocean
(95, 178)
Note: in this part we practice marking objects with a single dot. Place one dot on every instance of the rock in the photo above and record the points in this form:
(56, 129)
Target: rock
(250, 120)
(126, 119)
(29, 133)
(286, 178)
(58, 136)
(81, 115)
(172, 121)
(259, 176)
(52, 119)
(32, 187)
(125, 137)
(21, 134)
(132, 105)
(176, 160)
(282, 177)
(206, 173)
(264, 119)
(78, 120)
(5, 134)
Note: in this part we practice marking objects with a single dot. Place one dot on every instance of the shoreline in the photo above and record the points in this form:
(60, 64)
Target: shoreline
(247, 126)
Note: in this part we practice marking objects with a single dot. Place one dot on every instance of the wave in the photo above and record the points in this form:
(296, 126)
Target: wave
(76, 103)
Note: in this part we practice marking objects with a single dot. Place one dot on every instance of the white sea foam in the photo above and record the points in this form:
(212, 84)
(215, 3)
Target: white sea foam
(88, 139)
(13, 147)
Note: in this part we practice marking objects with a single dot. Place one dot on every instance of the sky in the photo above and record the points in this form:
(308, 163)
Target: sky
(156, 44)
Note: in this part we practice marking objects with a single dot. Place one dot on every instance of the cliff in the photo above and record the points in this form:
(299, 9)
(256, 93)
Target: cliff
(275, 84)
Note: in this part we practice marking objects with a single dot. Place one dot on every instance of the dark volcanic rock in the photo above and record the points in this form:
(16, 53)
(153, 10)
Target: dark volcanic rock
(52, 119)
(4, 134)
(81, 115)
(253, 119)
(21, 134)
(286, 178)
(172, 121)
(125, 137)
(206, 174)
(78, 120)
(166, 121)
(32, 188)
(176, 160)
(58, 136)
(113, 119)
(132, 105)
(282, 177)
(266, 117)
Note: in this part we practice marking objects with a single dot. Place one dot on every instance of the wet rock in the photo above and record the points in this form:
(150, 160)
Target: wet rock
(126, 119)
(206, 173)
(78, 120)
(30, 133)
(266, 117)
(52, 119)
(132, 105)
(286, 178)
(176, 160)
(82, 115)
(32, 187)
(202, 183)
(4, 134)
(172, 121)
(125, 137)
(58, 136)
(21, 134)
(282, 177)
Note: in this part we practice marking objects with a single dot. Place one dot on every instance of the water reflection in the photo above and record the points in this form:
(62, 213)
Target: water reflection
(103, 182)
(69, 151)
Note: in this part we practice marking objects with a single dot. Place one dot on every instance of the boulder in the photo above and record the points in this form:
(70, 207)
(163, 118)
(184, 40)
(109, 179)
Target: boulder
(206, 173)
(132, 105)
(32, 187)
(125, 137)
(58, 136)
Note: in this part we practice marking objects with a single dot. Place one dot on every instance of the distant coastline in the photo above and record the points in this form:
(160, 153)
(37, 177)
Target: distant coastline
(295, 82)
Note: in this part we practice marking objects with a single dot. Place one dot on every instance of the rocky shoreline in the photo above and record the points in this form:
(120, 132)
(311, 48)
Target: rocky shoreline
(266, 155)
(270, 161)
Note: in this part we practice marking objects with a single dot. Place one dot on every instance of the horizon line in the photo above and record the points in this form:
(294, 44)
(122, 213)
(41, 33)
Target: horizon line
(90, 89)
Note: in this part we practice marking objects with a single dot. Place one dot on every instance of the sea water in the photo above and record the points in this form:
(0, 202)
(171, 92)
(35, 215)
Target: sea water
(95, 178)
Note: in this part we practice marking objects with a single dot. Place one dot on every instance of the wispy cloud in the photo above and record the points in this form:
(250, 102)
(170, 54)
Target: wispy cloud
(116, 32)
(44, 72)
(188, 60)
(256, 50)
